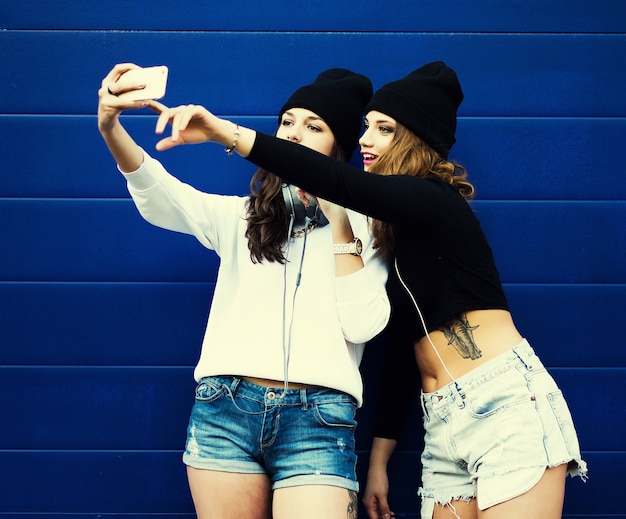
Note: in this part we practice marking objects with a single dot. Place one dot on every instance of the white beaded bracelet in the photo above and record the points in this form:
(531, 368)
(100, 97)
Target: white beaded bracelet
(229, 150)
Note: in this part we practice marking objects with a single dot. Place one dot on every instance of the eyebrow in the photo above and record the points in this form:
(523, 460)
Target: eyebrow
(380, 121)
(309, 118)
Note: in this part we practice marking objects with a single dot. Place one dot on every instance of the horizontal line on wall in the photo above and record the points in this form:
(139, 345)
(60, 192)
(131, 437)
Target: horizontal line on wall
(590, 34)
(178, 283)
(273, 116)
(479, 200)
(94, 366)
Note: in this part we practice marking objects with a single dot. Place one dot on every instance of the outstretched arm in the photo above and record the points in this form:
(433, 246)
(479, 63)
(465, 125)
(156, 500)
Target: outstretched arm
(391, 198)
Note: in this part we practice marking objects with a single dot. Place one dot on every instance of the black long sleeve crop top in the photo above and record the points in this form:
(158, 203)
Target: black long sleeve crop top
(440, 250)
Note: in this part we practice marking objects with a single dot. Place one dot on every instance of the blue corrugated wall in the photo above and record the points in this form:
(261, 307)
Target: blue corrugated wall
(101, 315)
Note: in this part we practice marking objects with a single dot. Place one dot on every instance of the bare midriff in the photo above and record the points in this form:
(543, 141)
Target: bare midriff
(493, 333)
(265, 382)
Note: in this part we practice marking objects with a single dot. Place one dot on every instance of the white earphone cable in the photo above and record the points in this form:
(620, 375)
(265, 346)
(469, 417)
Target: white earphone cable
(419, 313)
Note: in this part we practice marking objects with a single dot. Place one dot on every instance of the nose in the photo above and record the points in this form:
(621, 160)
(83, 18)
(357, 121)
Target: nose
(365, 140)
(294, 134)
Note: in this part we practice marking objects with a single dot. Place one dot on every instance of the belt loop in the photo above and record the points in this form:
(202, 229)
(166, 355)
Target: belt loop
(460, 395)
(305, 403)
(234, 384)
(423, 404)
(524, 359)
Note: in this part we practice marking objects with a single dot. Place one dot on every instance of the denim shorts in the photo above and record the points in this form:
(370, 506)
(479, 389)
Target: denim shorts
(297, 437)
(492, 432)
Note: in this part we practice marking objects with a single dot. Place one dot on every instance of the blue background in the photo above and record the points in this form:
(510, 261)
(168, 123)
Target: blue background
(102, 315)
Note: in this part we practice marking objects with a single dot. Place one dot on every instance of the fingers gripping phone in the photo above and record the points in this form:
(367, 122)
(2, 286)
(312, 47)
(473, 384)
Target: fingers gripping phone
(155, 79)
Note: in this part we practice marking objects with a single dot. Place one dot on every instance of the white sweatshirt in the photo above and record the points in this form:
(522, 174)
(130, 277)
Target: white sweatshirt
(258, 317)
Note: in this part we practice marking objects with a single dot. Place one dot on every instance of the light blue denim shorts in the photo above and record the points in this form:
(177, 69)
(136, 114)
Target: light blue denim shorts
(492, 433)
(301, 437)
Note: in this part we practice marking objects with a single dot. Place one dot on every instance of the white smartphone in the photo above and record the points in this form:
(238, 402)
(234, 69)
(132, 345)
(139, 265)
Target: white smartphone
(155, 79)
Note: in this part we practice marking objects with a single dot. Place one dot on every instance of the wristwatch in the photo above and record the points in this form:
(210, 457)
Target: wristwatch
(355, 247)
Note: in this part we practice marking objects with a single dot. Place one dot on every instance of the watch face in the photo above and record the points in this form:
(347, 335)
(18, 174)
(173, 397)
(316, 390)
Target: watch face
(359, 246)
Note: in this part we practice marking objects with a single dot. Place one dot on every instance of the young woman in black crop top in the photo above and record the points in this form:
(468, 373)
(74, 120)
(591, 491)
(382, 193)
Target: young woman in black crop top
(499, 437)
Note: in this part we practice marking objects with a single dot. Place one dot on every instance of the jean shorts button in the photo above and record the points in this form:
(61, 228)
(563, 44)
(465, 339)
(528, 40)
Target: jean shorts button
(271, 395)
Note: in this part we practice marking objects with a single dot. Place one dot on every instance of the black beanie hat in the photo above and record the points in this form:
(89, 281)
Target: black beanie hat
(338, 96)
(425, 102)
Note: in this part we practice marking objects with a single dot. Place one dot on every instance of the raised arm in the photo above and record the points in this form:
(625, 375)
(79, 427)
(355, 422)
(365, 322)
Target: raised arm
(124, 149)
(192, 124)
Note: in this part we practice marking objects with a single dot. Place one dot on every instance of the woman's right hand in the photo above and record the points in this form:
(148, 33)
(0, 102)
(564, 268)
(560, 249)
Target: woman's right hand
(377, 486)
(191, 124)
(109, 104)
(376, 493)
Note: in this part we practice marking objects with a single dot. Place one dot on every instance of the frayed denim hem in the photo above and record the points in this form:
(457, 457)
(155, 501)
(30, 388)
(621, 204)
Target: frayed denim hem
(578, 468)
(430, 498)
(429, 501)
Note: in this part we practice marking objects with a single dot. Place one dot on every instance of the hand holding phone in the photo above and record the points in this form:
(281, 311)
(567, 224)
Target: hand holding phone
(154, 79)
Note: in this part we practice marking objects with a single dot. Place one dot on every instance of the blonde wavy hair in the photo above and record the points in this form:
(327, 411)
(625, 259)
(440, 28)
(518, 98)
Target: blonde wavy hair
(410, 155)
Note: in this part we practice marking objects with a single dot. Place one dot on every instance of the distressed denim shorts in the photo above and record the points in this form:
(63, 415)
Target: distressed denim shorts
(492, 433)
(297, 437)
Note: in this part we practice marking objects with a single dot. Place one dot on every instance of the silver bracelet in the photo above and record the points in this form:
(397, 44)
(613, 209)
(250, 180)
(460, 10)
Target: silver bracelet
(229, 150)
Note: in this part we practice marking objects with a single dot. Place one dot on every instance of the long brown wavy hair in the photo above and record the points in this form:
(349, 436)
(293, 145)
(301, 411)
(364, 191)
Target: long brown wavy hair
(410, 155)
(268, 221)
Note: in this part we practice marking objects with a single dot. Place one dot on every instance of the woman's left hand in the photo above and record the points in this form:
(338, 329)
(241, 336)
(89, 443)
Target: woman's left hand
(335, 214)
(191, 124)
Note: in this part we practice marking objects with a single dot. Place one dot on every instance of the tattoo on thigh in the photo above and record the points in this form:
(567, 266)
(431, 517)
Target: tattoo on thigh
(352, 505)
(460, 336)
